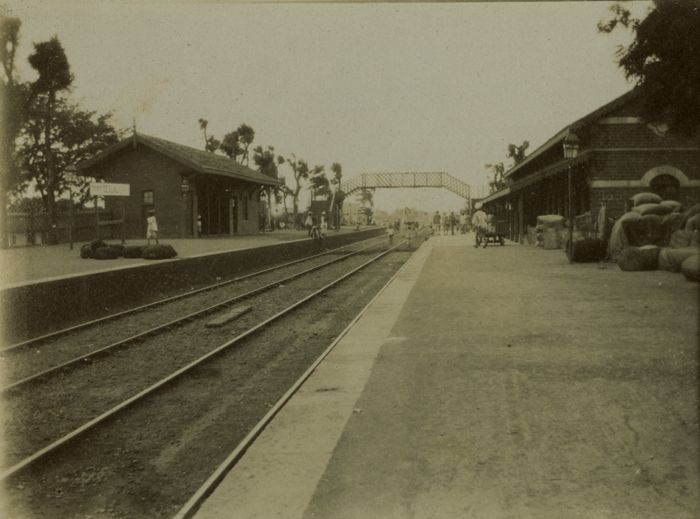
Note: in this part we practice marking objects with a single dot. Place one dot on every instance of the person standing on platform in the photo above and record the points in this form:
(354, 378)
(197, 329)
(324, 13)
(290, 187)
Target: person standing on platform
(309, 222)
(390, 232)
(324, 223)
(436, 222)
(453, 221)
(151, 227)
(479, 223)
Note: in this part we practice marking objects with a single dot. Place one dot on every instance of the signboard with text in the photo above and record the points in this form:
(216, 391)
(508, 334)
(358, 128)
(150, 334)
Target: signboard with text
(109, 189)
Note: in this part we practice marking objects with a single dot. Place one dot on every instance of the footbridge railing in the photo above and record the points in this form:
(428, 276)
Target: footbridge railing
(407, 179)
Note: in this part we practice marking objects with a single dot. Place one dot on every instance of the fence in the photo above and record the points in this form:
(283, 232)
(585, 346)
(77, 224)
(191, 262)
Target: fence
(33, 228)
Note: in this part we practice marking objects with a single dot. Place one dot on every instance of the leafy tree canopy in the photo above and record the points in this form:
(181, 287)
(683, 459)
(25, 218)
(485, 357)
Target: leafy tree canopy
(50, 61)
(664, 60)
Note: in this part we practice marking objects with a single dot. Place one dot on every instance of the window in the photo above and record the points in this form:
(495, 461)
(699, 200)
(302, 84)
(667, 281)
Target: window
(666, 186)
(245, 207)
(147, 197)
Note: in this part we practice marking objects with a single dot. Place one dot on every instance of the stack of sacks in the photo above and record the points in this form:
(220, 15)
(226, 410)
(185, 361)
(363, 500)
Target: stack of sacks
(618, 238)
(550, 225)
(639, 258)
(691, 268)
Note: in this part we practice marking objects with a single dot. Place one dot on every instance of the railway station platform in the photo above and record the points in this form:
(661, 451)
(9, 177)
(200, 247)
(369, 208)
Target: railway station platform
(31, 264)
(491, 383)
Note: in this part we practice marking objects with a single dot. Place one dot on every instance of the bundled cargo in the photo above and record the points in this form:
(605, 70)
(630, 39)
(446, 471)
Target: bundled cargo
(681, 238)
(133, 251)
(618, 239)
(657, 209)
(693, 223)
(105, 253)
(687, 215)
(675, 206)
(550, 220)
(672, 259)
(691, 268)
(645, 198)
(633, 259)
(158, 252)
(647, 230)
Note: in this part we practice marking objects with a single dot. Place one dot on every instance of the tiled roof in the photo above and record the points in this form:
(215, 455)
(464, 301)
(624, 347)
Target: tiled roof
(199, 160)
(584, 121)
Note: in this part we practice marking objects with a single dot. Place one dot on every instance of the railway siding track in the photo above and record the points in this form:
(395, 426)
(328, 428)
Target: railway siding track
(91, 400)
(77, 344)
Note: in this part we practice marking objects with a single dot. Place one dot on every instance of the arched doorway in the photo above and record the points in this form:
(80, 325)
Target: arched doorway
(666, 186)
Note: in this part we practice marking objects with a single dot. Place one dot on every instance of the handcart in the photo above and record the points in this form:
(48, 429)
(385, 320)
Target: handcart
(492, 234)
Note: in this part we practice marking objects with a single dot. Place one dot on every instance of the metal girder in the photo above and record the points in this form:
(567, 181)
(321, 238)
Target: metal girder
(407, 179)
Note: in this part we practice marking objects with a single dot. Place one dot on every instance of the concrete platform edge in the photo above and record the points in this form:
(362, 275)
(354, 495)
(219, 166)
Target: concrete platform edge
(277, 476)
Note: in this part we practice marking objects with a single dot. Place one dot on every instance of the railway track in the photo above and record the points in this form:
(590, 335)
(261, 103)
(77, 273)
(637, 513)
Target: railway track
(29, 460)
(42, 339)
(26, 374)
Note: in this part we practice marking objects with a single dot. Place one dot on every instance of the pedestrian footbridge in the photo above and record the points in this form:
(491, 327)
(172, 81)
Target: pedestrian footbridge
(407, 179)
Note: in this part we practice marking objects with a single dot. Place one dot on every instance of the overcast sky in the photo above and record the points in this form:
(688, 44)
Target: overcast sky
(375, 87)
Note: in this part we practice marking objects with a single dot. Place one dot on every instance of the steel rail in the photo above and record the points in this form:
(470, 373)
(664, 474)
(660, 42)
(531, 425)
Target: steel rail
(58, 333)
(123, 343)
(205, 490)
(26, 462)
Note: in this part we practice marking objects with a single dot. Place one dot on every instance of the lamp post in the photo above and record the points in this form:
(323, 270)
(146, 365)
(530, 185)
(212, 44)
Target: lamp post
(69, 174)
(571, 152)
(184, 189)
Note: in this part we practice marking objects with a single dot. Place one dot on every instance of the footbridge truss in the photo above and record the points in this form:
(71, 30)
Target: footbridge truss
(407, 179)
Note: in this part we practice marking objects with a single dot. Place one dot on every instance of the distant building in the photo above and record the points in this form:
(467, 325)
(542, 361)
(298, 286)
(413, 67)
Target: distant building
(619, 155)
(180, 183)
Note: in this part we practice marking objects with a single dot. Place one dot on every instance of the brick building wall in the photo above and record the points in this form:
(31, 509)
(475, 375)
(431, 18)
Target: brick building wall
(146, 170)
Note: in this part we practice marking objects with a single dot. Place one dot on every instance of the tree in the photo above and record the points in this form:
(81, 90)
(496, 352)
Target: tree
(318, 182)
(235, 144)
(300, 171)
(337, 170)
(498, 181)
(366, 197)
(246, 135)
(517, 153)
(50, 62)
(211, 143)
(267, 164)
(664, 60)
(75, 135)
(12, 111)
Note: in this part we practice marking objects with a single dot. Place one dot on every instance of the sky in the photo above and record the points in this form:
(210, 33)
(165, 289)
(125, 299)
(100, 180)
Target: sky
(375, 87)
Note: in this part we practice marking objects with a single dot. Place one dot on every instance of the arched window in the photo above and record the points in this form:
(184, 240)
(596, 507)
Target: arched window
(666, 186)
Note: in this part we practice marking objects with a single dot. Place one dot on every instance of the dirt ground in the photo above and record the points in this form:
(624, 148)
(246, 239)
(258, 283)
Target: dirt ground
(518, 386)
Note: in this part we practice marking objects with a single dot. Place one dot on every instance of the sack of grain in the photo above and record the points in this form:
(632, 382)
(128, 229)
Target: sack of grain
(658, 209)
(634, 259)
(672, 259)
(693, 223)
(645, 231)
(681, 238)
(675, 206)
(669, 224)
(618, 238)
(691, 268)
(645, 198)
(550, 220)
(689, 213)
(550, 238)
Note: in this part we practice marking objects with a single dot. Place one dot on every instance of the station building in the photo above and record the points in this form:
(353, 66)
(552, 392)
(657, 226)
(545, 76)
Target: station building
(619, 155)
(180, 183)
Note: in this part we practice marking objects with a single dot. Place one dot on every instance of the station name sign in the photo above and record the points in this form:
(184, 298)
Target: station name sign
(109, 189)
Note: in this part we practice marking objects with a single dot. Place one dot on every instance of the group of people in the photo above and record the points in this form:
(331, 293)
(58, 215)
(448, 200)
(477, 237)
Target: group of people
(449, 223)
(316, 229)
